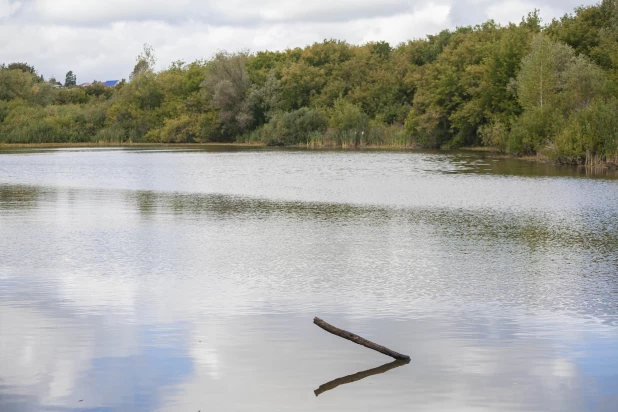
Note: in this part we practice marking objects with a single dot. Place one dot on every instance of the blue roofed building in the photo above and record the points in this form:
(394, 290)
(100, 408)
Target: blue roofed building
(111, 83)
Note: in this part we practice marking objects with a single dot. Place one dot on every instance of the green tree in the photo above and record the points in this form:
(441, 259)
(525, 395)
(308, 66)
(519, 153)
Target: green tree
(146, 62)
(346, 116)
(505, 86)
(226, 85)
(24, 67)
(70, 79)
(265, 101)
(583, 29)
(541, 77)
(15, 84)
(553, 85)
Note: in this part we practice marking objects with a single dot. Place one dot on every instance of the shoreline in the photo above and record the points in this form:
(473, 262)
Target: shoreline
(90, 144)
(489, 151)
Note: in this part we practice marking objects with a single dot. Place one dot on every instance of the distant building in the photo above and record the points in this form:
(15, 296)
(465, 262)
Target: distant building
(109, 83)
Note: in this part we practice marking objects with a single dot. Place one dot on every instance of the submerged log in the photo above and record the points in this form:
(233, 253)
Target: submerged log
(357, 339)
(358, 376)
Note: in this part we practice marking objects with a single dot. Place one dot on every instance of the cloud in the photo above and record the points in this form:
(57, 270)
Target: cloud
(8, 8)
(231, 12)
(100, 39)
(471, 12)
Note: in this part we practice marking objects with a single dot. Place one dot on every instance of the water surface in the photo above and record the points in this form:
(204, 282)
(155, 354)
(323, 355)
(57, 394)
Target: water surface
(169, 280)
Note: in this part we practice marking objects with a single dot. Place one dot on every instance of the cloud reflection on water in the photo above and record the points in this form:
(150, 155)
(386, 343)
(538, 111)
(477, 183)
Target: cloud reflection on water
(152, 300)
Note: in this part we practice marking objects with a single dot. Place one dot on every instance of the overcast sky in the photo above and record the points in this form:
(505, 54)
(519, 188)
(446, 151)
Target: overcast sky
(99, 39)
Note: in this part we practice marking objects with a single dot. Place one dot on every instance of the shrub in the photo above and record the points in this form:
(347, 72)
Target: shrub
(494, 134)
(293, 127)
(346, 117)
(589, 136)
(533, 130)
(186, 129)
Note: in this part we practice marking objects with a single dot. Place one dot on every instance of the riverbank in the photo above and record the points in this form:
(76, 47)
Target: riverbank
(491, 152)
(539, 157)
(90, 144)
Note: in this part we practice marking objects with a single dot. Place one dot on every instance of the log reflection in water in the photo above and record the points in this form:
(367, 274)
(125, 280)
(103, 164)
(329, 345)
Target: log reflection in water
(360, 375)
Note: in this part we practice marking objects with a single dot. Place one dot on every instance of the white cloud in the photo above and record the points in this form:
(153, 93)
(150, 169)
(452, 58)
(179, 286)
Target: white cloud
(8, 8)
(416, 23)
(504, 12)
(214, 12)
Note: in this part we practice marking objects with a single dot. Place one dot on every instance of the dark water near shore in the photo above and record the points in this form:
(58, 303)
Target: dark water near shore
(186, 280)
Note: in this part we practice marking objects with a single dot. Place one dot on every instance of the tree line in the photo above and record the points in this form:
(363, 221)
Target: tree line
(522, 88)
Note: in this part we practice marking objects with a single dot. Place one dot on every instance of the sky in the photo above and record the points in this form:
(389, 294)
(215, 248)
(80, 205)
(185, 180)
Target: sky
(100, 39)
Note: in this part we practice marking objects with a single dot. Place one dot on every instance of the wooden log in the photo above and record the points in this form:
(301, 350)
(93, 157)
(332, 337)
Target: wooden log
(358, 376)
(357, 339)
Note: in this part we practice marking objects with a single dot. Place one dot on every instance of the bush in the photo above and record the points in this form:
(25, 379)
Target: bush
(98, 89)
(589, 136)
(494, 134)
(294, 127)
(427, 129)
(71, 96)
(348, 123)
(51, 124)
(186, 129)
(534, 129)
(346, 117)
(4, 110)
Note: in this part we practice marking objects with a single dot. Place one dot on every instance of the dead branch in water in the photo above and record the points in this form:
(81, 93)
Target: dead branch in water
(358, 340)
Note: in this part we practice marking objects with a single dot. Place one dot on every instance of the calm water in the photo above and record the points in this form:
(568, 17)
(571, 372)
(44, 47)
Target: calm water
(187, 280)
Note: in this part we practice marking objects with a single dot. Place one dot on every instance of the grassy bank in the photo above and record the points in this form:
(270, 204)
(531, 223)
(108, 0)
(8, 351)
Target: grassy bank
(120, 144)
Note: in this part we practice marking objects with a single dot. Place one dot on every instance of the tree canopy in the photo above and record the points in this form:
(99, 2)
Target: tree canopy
(522, 88)
(70, 79)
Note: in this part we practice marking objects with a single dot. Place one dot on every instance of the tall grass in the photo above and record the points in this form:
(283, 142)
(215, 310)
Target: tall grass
(54, 124)
(376, 135)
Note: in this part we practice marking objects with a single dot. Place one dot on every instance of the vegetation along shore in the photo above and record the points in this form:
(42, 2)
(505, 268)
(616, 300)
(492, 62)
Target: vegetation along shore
(526, 89)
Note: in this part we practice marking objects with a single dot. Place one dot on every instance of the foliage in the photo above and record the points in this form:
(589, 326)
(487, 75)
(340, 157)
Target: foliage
(289, 128)
(589, 136)
(554, 86)
(18, 84)
(24, 67)
(70, 79)
(532, 130)
(145, 62)
(520, 88)
(226, 85)
(196, 128)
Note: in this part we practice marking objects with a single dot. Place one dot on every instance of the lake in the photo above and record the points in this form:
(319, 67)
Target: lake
(187, 279)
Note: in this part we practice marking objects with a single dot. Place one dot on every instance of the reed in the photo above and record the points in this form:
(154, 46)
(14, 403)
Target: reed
(390, 136)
